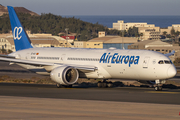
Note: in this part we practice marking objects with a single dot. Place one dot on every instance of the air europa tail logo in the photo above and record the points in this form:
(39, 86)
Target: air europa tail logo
(16, 33)
(119, 59)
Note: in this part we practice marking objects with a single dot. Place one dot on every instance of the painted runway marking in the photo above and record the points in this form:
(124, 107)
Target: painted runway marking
(164, 92)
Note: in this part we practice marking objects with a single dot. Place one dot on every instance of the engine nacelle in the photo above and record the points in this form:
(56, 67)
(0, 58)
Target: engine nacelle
(64, 75)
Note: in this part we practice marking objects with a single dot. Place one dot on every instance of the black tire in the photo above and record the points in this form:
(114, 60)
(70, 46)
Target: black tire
(58, 85)
(69, 86)
(66, 86)
(99, 85)
(158, 88)
(104, 85)
(63, 86)
(110, 85)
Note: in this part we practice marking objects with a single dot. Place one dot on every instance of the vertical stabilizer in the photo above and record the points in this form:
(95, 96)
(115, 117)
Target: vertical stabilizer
(21, 39)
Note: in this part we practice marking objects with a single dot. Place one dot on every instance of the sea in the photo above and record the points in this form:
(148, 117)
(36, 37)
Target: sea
(159, 21)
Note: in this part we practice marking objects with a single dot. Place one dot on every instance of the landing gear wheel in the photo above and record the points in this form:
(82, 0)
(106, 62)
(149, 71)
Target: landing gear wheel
(63, 86)
(159, 84)
(158, 88)
(109, 84)
(58, 85)
(102, 84)
(68, 86)
(99, 84)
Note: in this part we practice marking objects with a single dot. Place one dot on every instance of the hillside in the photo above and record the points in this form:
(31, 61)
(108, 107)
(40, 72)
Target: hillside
(53, 24)
(3, 10)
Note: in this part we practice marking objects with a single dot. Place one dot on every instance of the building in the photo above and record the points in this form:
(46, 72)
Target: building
(94, 44)
(107, 42)
(79, 44)
(38, 40)
(101, 33)
(7, 45)
(176, 27)
(149, 31)
(69, 37)
(157, 45)
(120, 25)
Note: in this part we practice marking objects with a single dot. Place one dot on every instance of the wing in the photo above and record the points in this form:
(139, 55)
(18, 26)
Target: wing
(7, 56)
(169, 54)
(45, 64)
(29, 62)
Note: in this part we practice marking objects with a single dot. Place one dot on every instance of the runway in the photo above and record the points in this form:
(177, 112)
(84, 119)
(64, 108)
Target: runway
(23, 108)
(37, 102)
(40, 101)
(119, 94)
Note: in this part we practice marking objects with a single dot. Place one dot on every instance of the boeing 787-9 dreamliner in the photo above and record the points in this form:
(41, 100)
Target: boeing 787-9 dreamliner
(66, 65)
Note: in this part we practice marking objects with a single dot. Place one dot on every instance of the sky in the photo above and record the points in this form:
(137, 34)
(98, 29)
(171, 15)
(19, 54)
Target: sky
(98, 7)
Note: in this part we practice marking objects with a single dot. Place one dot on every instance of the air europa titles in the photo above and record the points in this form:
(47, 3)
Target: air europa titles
(119, 59)
(16, 33)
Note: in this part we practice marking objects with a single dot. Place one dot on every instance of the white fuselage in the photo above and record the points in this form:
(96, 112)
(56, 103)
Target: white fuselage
(110, 63)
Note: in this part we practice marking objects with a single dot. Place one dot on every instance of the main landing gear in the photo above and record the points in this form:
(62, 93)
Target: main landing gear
(63, 86)
(105, 84)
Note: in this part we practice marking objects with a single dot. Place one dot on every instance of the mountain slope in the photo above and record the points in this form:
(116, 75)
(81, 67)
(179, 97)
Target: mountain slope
(3, 10)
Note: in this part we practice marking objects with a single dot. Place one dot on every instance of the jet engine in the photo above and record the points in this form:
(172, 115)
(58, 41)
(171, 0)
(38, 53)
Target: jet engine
(64, 75)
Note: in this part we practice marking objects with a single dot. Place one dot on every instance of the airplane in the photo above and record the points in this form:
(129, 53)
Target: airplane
(66, 65)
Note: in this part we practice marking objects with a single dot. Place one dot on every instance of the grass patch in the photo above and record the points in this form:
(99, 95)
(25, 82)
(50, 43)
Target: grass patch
(34, 80)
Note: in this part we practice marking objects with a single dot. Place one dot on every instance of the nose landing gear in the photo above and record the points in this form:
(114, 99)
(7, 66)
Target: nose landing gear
(159, 83)
(158, 88)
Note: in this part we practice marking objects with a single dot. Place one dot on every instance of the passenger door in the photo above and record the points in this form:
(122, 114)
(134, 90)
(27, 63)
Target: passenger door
(145, 62)
(62, 58)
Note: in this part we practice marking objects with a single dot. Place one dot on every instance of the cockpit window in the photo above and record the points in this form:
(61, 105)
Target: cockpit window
(161, 62)
(165, 62)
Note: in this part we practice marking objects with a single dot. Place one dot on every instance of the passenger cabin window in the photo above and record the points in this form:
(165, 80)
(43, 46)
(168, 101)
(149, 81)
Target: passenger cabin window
(49, 58)
(83, 59)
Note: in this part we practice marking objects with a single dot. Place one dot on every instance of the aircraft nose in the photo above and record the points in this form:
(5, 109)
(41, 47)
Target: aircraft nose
(171, 71)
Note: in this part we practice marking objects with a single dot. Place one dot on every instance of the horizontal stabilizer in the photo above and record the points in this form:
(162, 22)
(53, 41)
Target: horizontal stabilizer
(169, 54)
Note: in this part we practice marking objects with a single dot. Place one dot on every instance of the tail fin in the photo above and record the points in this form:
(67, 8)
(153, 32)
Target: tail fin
(21, 39)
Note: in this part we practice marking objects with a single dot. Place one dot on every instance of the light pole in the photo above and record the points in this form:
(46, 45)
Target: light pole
(66, 29)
